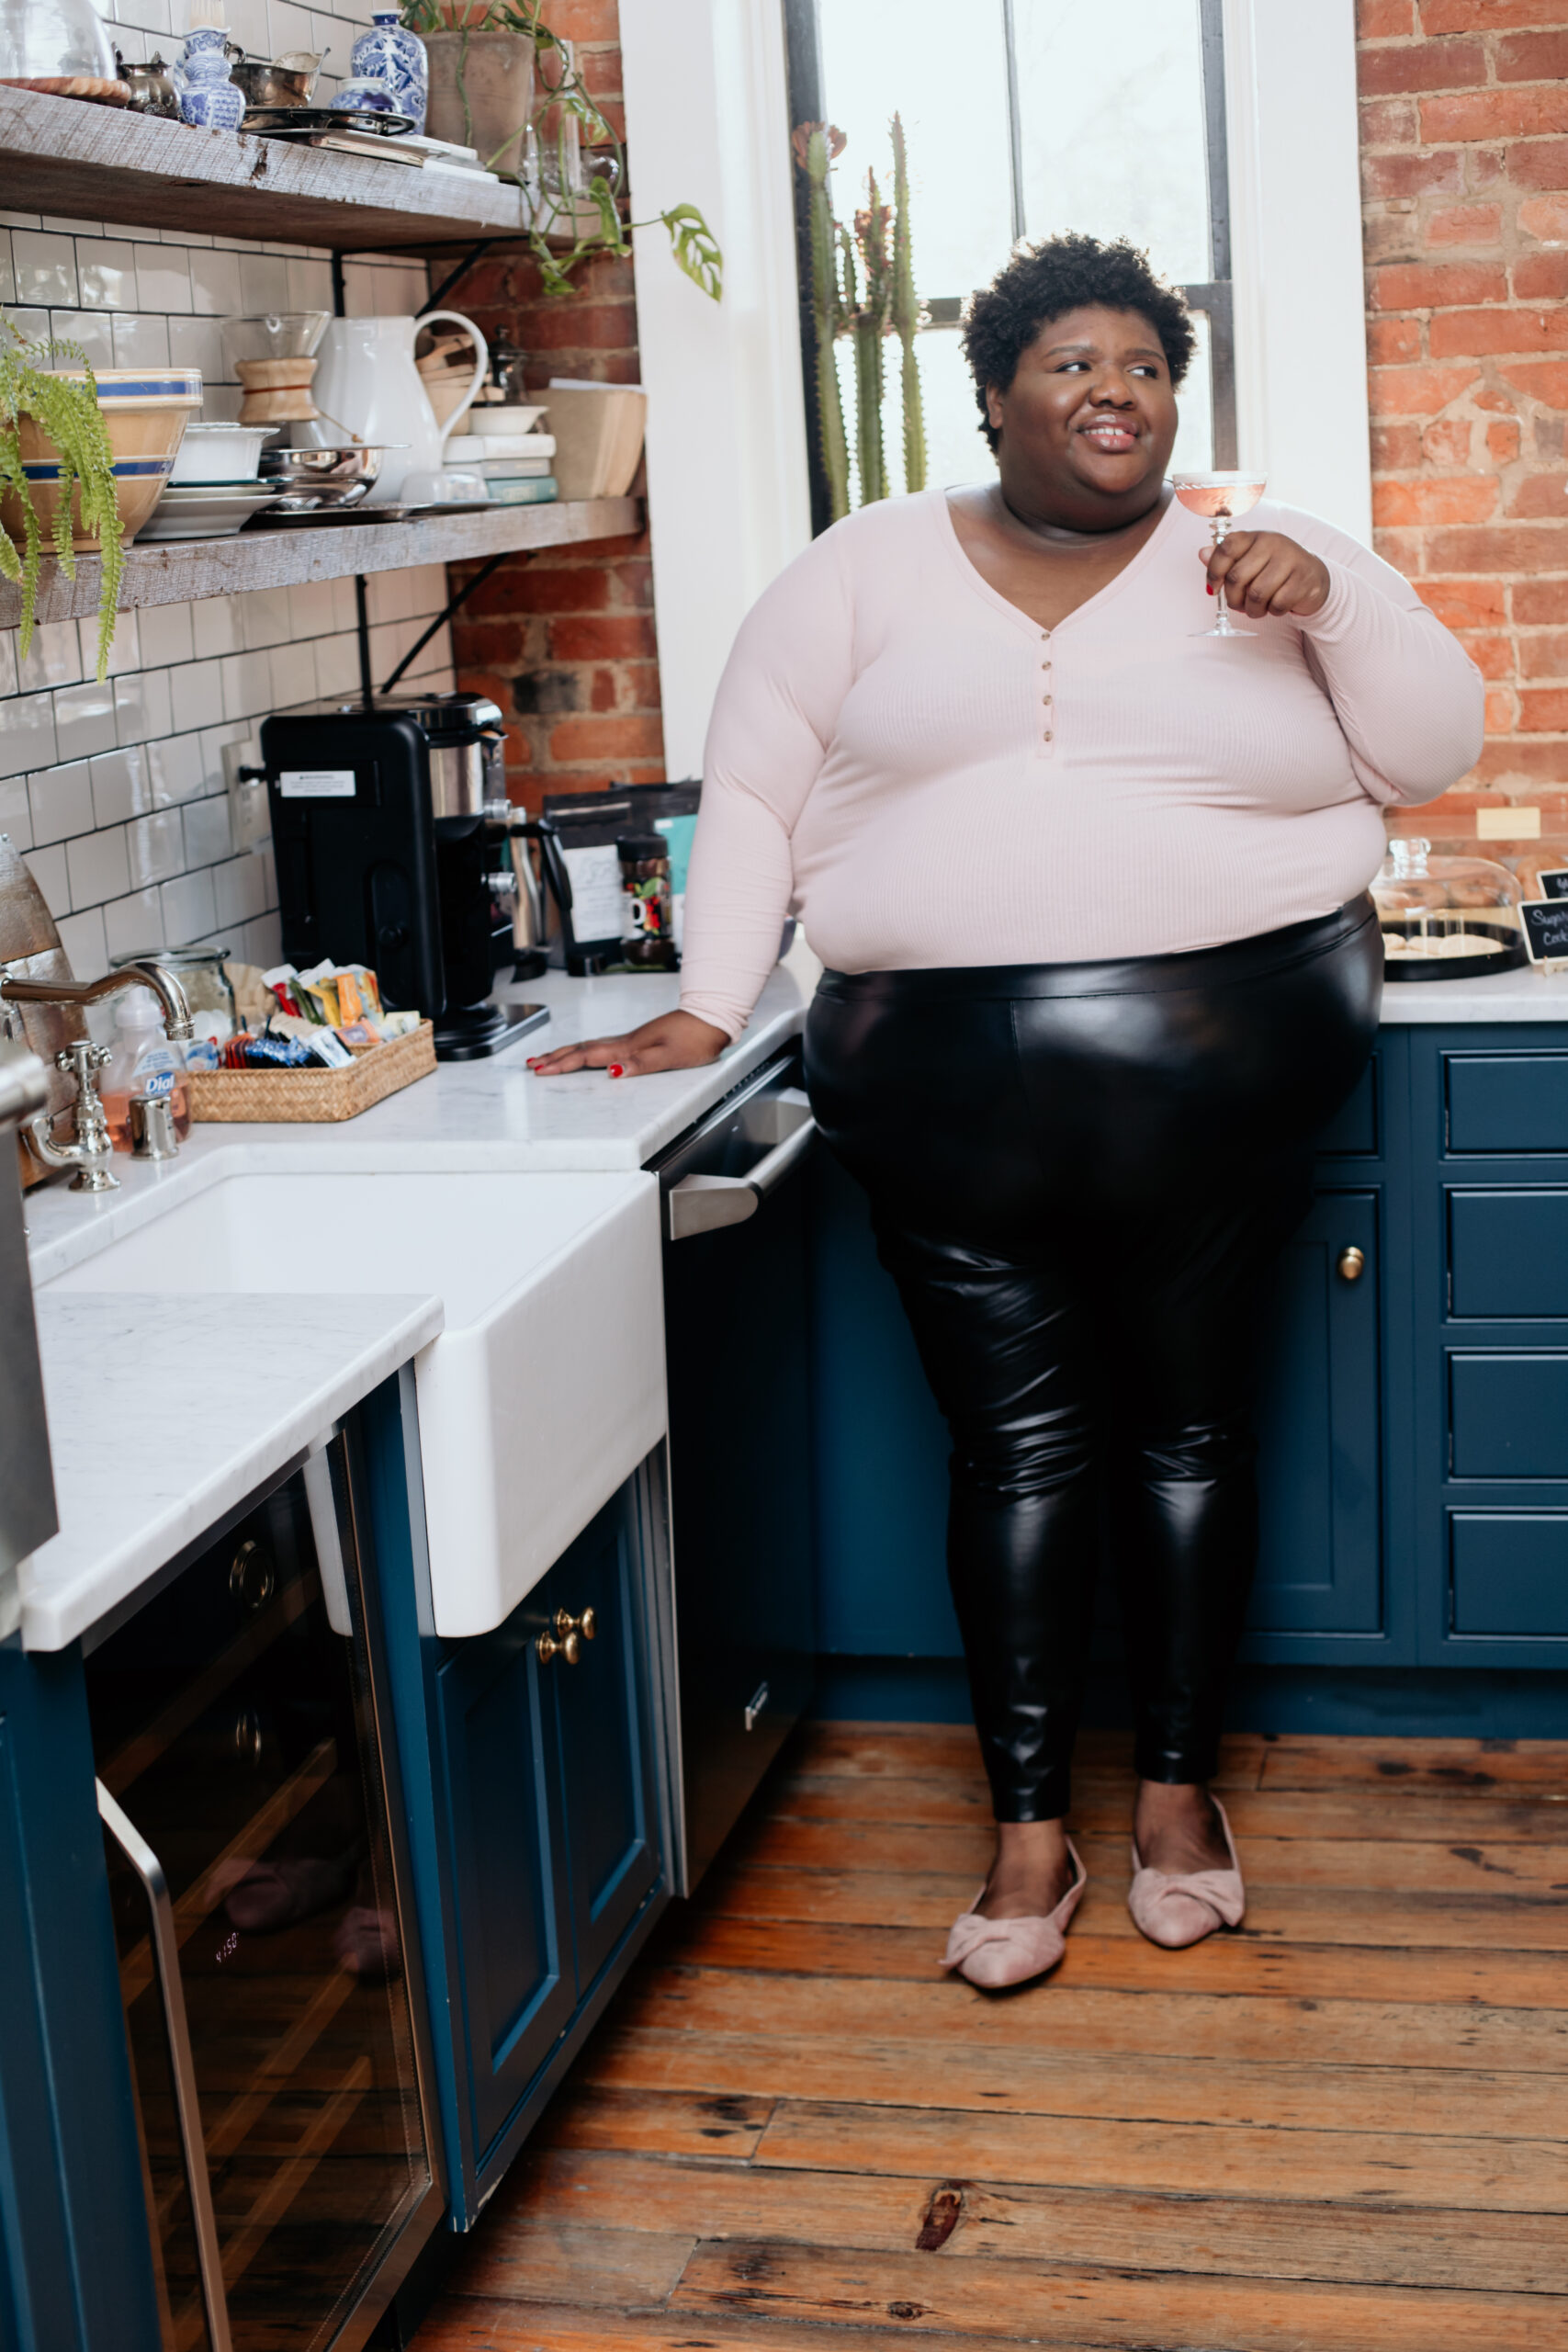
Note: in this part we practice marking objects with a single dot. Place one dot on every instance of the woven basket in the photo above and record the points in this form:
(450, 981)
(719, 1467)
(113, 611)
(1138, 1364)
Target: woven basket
(292, 1095)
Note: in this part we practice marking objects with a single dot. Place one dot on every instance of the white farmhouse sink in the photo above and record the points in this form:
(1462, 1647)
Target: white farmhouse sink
(543, 1393)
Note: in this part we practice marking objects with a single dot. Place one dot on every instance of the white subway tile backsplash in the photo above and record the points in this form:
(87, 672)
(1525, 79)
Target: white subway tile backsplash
(140, 340)
(44, 267)
(155, 847)
(142, 706)
(8, 678)
(247, 685)
(8, 282)
(165, 633)
(196, 691)
(214, 285)
(189, 909)
(240, 890)
(26, 734)
(121, 784)
(264, 618)
(264, 283)
(61, 801)
(134, 924)
(82, 936)
(47, 867)
(163, 278)
(197, 343)
(97, 867)
(84, 720)
(54, 658)
(293, 675)
(125, 646)
(337, 665)
(90, 331)
(16, 812)
(183, 769)
(106, 267)
(215, 626)
(206, 830)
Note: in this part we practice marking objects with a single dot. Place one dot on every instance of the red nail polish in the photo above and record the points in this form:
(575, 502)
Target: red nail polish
(1209, 588)
(616, 1070)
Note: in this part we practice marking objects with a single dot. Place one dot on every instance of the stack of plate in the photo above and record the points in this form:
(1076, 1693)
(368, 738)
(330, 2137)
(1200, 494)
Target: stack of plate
(207, 510)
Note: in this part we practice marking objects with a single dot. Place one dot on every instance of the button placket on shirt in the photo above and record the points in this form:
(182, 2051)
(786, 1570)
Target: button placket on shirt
(1047, 731)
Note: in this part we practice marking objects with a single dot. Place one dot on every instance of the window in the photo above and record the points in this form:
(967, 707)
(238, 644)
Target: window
(1026, 117)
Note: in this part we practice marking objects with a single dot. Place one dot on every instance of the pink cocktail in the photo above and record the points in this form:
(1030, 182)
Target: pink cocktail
(1219, 498)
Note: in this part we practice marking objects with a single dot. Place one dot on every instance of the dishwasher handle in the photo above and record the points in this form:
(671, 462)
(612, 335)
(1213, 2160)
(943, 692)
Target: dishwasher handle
(705, 1204)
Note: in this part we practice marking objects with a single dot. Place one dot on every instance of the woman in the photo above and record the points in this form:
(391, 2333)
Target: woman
(1091, 887)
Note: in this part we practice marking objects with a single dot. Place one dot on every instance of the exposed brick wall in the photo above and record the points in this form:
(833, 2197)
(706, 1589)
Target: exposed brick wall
(1464, 136)
(565, 642)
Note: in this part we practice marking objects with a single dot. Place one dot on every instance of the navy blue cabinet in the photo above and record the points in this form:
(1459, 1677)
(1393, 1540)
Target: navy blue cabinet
(880, 1446)
(531, 1771)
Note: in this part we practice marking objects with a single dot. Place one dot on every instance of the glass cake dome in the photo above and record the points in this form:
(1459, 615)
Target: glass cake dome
(1446, 918)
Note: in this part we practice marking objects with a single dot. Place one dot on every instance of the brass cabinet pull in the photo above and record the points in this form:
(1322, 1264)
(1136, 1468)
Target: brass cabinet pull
(253, 1578)
(567, 1638)
(1351, 1264)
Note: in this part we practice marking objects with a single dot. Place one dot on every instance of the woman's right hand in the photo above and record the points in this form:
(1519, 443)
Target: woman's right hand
(672, 1041)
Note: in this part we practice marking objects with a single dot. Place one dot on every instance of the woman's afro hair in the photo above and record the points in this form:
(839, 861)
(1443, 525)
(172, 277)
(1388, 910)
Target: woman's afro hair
(1044, 282)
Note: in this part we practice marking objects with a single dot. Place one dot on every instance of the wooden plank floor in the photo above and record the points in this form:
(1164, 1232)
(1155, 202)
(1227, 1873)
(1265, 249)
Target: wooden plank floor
(1342, 2129)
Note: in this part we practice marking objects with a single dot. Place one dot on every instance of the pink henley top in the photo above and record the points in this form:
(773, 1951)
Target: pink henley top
(927, 778)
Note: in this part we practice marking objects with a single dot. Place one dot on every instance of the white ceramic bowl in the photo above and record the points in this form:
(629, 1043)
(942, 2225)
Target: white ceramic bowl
(220, 452)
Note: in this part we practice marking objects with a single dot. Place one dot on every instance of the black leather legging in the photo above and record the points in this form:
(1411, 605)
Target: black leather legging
(1079, 1174)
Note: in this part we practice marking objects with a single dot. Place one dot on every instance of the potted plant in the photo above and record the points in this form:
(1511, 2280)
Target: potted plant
(53, 421)
(501, 82)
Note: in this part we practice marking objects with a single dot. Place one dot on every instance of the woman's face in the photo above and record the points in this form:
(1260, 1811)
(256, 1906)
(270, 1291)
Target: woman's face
(1089, 421)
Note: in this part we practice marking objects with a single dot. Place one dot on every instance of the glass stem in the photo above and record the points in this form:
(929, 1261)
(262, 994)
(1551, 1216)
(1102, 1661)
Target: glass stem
(1223, 619)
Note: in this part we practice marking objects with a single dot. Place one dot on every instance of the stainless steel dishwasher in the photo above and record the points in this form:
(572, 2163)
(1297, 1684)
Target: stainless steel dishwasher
(733, 1206)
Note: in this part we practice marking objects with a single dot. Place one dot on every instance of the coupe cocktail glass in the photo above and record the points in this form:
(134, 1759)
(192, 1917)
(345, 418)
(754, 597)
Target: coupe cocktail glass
(1219, 498)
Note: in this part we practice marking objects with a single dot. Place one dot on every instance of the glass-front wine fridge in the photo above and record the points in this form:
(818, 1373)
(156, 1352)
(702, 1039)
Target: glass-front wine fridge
(248, 1793)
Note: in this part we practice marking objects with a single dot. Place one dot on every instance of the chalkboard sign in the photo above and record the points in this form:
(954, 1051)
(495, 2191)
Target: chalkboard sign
(1546, 929)
(1555, 884)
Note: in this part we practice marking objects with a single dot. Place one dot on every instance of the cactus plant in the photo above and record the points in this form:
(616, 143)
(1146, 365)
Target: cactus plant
(863, 285)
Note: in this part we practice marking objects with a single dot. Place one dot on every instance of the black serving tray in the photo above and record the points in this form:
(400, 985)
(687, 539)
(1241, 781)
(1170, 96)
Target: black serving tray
(1457, 967)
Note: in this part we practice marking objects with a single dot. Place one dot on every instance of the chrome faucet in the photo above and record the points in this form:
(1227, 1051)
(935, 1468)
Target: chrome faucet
(91, 1151)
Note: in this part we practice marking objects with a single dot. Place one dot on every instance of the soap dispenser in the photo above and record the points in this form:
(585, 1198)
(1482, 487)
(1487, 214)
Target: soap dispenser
(142, 1062)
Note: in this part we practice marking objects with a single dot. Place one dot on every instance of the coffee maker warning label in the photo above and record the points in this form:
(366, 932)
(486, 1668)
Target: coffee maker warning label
(316, 784)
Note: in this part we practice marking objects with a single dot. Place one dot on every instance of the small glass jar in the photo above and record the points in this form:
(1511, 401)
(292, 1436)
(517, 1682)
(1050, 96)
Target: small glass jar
(648, 931)
(209, 991)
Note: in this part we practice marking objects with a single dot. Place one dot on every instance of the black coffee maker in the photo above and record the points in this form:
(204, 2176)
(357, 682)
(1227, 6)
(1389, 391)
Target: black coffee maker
(390, 825)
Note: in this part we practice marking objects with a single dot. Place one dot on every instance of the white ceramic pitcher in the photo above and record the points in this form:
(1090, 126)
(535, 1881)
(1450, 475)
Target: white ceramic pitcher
(366, 384)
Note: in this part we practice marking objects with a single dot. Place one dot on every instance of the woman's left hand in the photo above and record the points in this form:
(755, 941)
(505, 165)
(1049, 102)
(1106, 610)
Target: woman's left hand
(1265, 572)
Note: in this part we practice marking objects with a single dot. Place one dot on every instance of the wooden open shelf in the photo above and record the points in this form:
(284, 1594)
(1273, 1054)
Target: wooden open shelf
(91, 162)
(179, 571)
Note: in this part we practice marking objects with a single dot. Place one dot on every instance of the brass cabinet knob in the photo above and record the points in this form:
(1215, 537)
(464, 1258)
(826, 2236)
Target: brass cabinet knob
(549, 1648)
(1351, 1264)
(587, 1624)
(252, 1578)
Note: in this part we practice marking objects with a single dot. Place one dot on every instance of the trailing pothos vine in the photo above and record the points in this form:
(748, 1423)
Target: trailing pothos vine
(67, 411)
(563, 94)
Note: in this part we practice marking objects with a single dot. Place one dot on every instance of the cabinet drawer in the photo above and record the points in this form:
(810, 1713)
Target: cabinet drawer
(1509, 1572)
(1508, 1416)
(1508, 1253)
(1506, 1102)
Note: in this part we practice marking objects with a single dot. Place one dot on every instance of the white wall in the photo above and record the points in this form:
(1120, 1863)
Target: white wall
(707, 121)
(1296, 233)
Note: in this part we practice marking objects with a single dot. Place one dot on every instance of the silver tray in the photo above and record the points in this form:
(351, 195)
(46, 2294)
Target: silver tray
(324, 515)
(310, 122)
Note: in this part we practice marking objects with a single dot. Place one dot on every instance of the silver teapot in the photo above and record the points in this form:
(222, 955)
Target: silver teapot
(153, 89)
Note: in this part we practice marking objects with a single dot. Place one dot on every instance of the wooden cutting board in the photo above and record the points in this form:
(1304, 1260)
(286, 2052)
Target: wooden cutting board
(30, 949)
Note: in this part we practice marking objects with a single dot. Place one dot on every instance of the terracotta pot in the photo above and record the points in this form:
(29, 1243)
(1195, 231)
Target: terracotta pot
(495, 72)
(146, 411)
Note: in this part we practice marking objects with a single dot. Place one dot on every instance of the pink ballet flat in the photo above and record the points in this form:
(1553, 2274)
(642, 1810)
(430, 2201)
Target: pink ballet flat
(994, 1952)
(1178, 1911)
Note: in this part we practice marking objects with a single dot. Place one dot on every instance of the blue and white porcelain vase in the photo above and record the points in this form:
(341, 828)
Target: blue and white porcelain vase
(208, 96)
(389, 53)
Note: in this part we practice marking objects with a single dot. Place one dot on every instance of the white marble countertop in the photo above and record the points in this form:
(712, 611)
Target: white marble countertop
(1525, 994)
(492, 1115)
(164, 1413)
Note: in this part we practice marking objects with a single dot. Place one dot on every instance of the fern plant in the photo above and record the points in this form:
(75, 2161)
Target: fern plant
(566, 97)
(68, 413)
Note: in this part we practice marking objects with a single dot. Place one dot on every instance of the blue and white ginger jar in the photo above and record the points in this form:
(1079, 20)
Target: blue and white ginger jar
(389, 53)
(208, 96)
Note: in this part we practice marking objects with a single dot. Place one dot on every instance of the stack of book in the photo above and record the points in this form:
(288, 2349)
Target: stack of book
(516, 466)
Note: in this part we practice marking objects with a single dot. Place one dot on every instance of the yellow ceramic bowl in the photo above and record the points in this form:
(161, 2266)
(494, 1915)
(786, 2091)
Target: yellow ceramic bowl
(146, 411)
